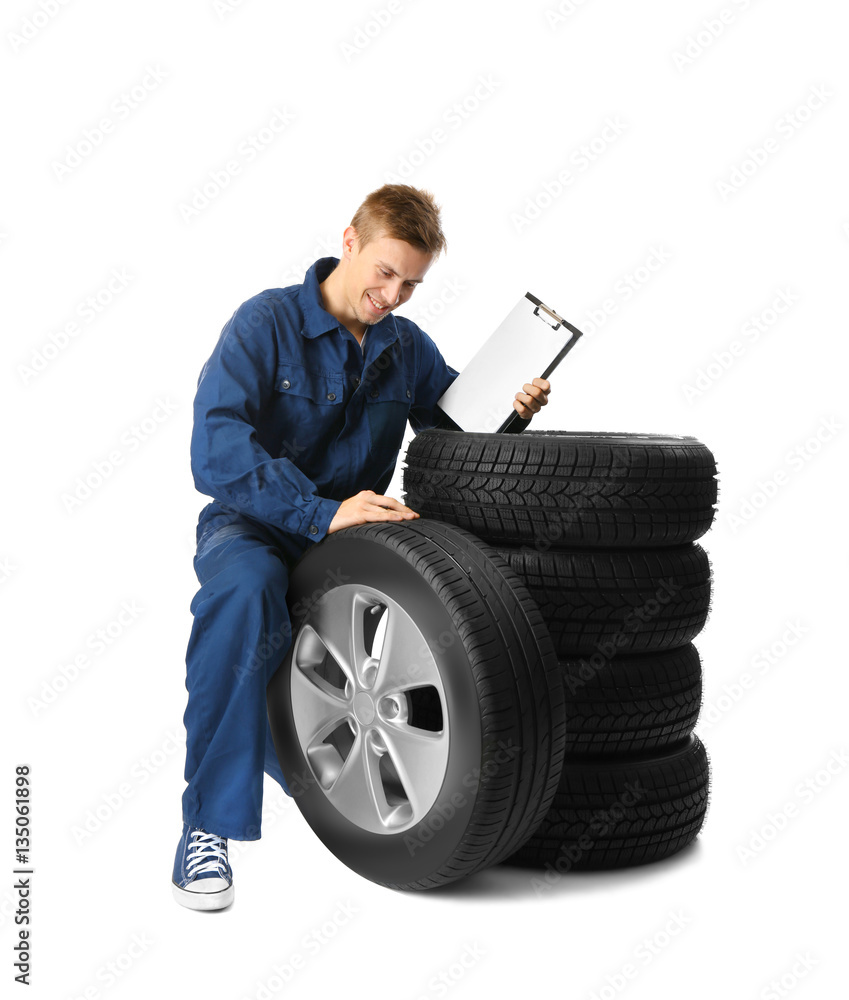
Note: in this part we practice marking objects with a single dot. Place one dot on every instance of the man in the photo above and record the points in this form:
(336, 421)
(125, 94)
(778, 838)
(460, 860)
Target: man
(299, 416)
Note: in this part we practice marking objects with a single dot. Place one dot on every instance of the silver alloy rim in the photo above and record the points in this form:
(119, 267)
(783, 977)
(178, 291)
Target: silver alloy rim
(351, 706)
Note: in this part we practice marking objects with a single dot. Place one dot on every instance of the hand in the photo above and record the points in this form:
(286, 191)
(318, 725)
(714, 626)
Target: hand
(369, 506)
(533, 397)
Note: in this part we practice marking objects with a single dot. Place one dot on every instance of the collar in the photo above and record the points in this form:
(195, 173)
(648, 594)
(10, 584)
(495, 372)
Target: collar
(318, 320)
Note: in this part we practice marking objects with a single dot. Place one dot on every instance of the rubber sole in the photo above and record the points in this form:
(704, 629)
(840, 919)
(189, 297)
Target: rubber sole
(203, 900)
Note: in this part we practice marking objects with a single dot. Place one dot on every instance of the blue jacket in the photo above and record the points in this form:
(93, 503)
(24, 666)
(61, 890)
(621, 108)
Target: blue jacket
(292, 416)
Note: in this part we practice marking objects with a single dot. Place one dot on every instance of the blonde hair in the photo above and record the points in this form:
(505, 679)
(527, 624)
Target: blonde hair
(401, 212)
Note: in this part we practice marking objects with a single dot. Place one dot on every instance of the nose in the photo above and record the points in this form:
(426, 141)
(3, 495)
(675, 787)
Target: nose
(392, 297)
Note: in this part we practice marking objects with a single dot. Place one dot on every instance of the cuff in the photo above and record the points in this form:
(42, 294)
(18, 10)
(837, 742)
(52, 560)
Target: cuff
(318, 517)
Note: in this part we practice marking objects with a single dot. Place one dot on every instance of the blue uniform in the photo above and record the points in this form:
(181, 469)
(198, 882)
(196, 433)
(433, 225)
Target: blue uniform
(291, 417)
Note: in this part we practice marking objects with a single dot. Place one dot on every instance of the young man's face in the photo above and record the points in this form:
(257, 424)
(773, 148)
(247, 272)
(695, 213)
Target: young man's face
(382, 276)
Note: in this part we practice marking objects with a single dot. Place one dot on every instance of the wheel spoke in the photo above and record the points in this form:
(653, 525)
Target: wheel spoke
(419, 757)
(316, 708)
(406, 660)
(337, 619)
(357, 791)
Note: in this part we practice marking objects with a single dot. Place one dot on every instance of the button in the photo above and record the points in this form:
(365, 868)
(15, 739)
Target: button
(285, 383)
(356, 380)
(331, 396)
(408, 394)
(373, 394)
(313, 529)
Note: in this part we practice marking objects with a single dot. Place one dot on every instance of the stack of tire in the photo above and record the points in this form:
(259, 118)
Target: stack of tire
(601, 528)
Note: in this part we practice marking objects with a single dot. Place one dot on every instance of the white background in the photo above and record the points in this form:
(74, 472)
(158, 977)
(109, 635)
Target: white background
(693, 111)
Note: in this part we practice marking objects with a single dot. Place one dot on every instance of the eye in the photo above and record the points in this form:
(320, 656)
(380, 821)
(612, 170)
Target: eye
(384, 273)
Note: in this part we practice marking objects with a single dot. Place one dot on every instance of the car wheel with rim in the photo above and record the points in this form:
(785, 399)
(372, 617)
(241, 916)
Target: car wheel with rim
(418, 715)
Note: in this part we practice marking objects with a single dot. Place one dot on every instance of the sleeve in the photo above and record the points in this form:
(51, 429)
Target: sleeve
(433, 376)
(228, 463)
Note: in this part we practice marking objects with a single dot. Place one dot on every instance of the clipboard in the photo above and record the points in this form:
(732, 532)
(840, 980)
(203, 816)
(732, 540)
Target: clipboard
(481, 397)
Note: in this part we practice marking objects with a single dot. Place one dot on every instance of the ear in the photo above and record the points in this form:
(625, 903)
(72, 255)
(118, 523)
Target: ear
(349, 238)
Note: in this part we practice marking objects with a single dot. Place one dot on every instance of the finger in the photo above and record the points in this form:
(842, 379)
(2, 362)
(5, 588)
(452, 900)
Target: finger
(532, 392)
(390, 515)
(379, 512)
(390, 502)
(543, 384)
(522, 410)
(530, 402)
(536, 391)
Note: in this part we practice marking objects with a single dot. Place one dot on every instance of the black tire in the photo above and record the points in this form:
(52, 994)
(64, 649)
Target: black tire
(558, 489)
(502, 701)
(622, 811)
(631, 704)
(617, 601)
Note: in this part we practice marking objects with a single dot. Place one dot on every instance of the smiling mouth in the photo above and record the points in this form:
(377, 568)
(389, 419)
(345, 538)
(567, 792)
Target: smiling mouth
(376, 305)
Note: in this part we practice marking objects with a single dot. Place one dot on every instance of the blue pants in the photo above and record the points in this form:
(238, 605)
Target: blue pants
(240, 635)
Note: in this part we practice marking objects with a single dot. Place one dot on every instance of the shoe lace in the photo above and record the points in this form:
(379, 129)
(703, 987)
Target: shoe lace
(207, 853)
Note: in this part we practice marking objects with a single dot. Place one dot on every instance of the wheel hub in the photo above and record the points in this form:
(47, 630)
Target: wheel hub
(363, 708)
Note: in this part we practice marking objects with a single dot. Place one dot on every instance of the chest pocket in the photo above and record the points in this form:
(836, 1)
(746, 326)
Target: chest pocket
(309, 409)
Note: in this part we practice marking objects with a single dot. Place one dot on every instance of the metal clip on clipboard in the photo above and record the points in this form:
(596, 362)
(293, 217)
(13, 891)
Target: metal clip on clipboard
(481, 397)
